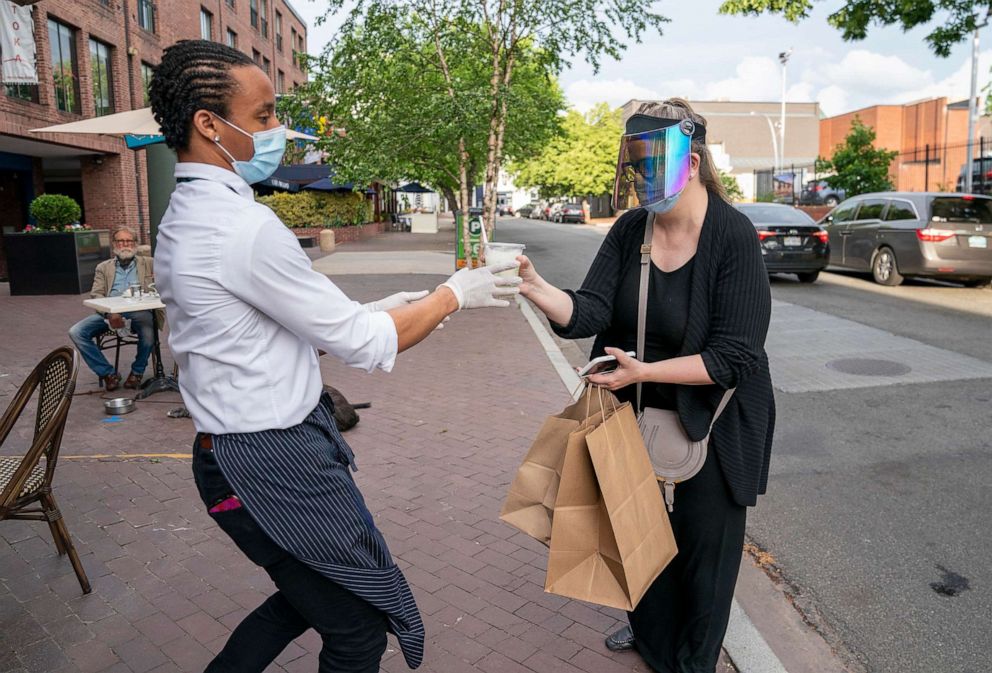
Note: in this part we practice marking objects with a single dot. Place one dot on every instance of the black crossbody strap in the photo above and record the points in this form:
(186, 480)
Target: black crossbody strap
(642, 296)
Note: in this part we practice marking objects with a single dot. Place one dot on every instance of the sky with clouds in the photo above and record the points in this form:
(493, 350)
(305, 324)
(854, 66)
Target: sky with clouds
(703, 55)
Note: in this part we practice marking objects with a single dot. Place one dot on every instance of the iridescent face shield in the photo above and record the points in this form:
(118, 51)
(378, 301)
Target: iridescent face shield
(653, 165)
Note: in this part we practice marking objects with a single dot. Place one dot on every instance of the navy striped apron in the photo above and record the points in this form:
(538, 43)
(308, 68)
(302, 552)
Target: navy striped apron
(296, 485)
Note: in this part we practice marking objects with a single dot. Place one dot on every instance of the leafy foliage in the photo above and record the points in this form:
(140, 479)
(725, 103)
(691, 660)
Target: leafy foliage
(579, 162)
(381, 83)
(54, 212)
(489, 42)
(859, 167)
(318, 209)
(730, 184)
(953, 20)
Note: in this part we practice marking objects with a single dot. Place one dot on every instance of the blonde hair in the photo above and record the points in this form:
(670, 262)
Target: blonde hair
(679, 108)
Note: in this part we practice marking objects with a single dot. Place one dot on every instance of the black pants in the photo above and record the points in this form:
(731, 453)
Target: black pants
(680, 623)
(354, 632)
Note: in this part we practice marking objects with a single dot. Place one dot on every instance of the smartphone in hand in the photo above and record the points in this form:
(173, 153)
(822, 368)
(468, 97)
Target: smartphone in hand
(604, 364)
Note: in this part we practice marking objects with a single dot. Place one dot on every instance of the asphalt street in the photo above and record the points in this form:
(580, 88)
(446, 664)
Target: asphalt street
(878, 508)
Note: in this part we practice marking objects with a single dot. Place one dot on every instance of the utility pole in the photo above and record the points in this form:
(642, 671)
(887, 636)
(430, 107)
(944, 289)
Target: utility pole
(972, 109)
(783, 58)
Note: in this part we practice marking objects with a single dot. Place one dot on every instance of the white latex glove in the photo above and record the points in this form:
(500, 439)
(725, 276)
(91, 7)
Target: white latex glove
(479, 288)
(394, 301)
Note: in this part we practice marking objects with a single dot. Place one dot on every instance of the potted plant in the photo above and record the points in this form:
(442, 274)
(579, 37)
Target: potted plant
(56, 255)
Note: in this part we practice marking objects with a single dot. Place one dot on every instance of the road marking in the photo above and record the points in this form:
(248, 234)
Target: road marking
(801, 341)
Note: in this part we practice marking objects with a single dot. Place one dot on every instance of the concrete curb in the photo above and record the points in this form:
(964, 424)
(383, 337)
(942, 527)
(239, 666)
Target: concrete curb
(743, 643)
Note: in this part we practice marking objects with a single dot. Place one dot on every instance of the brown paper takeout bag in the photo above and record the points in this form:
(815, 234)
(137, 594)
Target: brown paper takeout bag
(529, 505)
(610, 536)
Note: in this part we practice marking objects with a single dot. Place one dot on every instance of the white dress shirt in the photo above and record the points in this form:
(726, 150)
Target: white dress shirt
(246, 310)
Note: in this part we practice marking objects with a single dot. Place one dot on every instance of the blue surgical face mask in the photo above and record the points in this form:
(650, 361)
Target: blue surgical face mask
(269, 147)
(663, 206)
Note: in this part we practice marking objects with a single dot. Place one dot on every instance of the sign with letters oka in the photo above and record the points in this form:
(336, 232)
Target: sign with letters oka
(17, 44)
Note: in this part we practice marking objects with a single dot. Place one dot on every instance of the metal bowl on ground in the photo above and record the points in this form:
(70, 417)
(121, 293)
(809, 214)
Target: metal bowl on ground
(118, 405)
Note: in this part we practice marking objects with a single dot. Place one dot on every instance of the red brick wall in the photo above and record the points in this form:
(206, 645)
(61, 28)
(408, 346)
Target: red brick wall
(111, 190)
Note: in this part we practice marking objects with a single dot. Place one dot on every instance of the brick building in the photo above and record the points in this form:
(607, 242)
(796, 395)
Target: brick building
(930, 136)
(95, 57)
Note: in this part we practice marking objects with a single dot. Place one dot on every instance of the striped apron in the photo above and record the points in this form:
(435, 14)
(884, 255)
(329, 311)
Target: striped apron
(296, 485)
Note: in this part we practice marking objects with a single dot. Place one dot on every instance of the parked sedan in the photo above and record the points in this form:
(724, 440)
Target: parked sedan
(791, 242)
(927, 234)
(526, 210)
(570, 212)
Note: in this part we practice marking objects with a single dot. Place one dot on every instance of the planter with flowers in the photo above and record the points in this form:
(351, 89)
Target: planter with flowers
(56, 255)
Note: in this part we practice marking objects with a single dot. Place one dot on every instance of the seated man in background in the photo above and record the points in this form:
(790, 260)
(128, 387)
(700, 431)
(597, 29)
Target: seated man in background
(112, 278)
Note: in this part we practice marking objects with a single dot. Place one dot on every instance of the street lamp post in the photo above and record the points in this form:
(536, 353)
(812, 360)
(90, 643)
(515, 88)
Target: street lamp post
(972, 109)
(783, 58)
(771, 130)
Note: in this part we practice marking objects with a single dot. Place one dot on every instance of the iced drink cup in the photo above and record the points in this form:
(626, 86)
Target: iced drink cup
(504, 253)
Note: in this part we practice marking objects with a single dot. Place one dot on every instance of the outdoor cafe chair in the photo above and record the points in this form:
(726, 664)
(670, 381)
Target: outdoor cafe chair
(112, 339)
(26, 483)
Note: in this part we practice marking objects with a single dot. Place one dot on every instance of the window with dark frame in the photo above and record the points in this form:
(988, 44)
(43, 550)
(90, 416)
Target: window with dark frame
(101, 78)
(65, 67)
(253, 12)
(264, 17)
(146, 15)
(266, 66)
(256, 57)
(206, 24)
(278, 31)
(280, 81)
(232, 39)
(230, 3)
(146, 78)
(292, 43)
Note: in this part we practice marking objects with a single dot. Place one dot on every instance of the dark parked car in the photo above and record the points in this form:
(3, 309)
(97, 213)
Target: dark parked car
(526, 211)
(570, 212)
(819, 193)
(927, 234)
(791, 242)
(981, 176)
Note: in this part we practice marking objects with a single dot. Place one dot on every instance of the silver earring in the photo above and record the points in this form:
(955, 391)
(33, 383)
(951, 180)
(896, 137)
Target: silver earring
(216, 139)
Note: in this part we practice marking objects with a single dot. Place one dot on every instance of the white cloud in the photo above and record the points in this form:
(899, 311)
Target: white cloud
(584, 94)
(833, 100)
(861, 70)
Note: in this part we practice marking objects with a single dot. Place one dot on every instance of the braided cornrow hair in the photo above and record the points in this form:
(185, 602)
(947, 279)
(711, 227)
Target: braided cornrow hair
(193, 75)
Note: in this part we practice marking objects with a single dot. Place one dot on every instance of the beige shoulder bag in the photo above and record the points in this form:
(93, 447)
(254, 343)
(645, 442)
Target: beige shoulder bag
(674, 456)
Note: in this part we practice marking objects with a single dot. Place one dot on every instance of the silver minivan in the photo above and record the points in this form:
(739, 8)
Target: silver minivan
(927, 234)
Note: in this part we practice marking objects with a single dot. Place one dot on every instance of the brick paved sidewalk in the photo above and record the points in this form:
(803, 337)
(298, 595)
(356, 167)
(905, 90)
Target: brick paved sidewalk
(436, 452)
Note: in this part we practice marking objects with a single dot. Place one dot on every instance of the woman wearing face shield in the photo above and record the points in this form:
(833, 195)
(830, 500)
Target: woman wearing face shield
(708, 308)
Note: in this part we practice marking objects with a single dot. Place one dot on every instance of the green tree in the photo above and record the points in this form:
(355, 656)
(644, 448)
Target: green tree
(546, 33)
(581, 161)
(733, 187)
(858, 166)
(952, 20)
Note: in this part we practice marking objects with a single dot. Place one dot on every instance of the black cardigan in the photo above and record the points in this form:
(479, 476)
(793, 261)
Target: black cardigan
(729, 311)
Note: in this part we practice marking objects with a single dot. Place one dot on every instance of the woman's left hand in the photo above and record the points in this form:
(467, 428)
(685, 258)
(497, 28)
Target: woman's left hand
(628, 371)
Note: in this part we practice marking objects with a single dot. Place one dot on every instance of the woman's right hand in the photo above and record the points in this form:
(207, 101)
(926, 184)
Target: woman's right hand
(531, 279)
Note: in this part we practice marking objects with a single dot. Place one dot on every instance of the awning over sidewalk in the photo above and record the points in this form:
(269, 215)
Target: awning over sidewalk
(138, 127)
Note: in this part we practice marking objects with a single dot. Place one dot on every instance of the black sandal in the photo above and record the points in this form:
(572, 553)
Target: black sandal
(620, 640)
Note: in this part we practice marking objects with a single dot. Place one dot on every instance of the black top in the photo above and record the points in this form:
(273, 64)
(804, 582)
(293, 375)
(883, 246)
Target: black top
(668, 312)
(728, 314)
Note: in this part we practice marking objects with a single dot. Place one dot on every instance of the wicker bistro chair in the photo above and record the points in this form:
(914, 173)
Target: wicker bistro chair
(26, 483)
